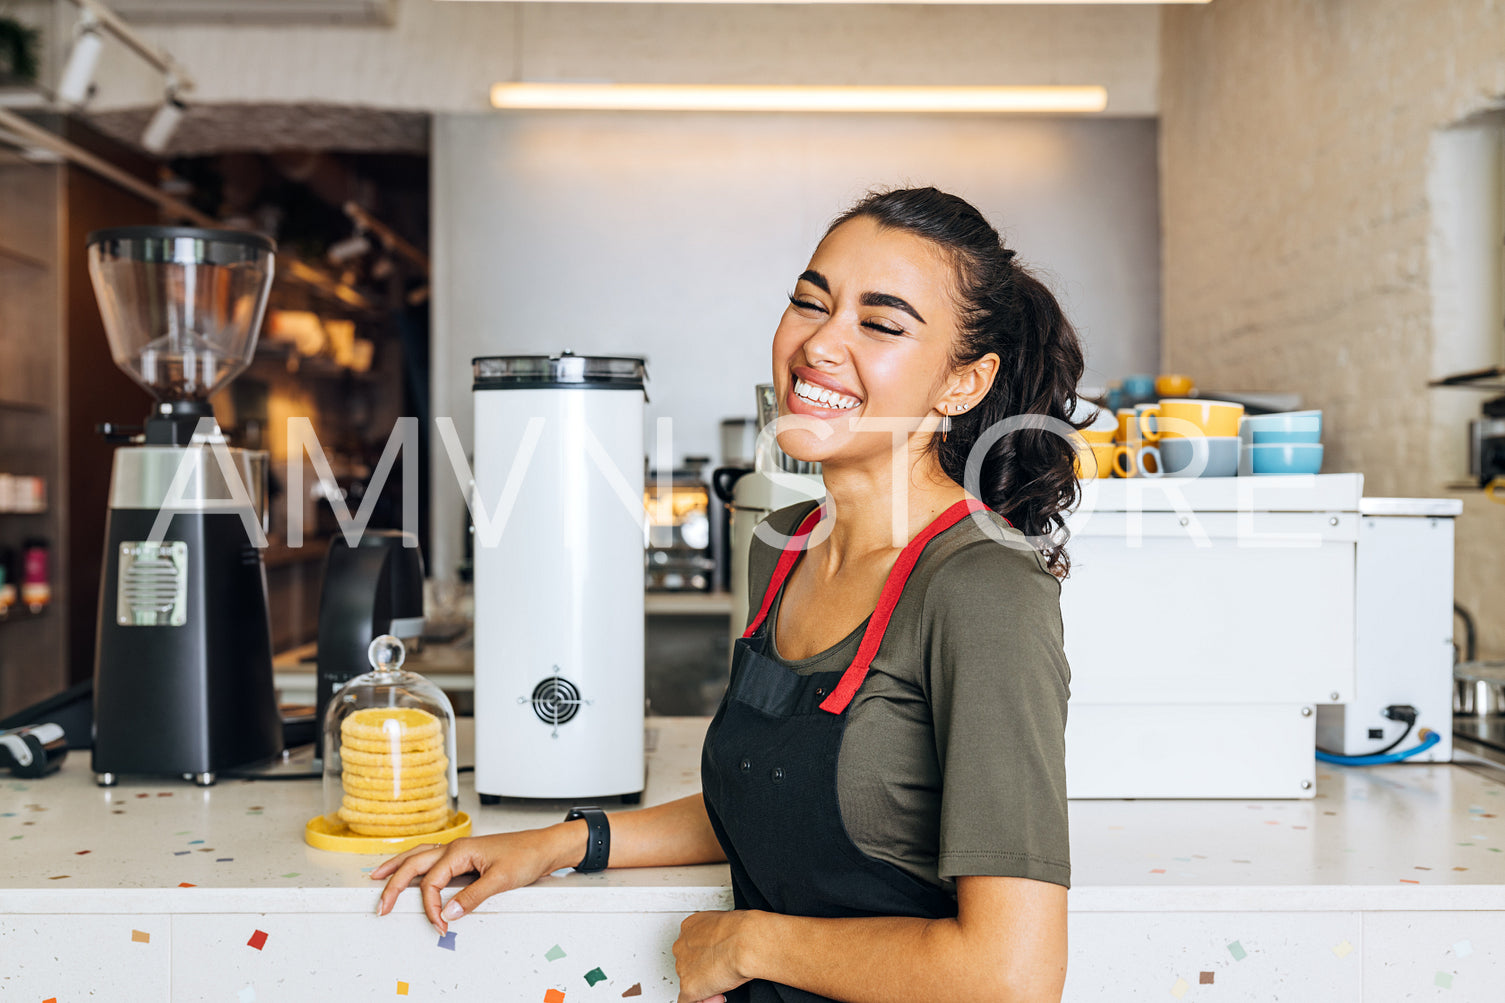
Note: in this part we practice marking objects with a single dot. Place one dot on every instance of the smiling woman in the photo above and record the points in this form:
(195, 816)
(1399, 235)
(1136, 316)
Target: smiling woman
(886, 773)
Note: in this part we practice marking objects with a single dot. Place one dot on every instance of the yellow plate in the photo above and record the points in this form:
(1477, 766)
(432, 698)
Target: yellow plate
(323, 836)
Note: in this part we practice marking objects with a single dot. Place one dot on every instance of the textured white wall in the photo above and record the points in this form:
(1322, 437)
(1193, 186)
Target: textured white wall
(1299, 143)
(441, 56)
(678, 236)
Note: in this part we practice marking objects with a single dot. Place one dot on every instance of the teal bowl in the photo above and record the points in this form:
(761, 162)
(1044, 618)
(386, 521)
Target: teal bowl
(1288, 426)
(1285, 457)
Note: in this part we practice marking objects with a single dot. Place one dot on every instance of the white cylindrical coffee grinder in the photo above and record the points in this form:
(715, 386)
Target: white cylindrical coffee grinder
(557, 507)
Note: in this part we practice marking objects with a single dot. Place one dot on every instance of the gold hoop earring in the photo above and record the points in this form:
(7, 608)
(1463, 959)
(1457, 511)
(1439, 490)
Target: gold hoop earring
(945, 426)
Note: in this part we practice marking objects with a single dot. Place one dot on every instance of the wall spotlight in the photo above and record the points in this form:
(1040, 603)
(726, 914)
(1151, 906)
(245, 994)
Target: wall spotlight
(164, 122)
(83, 59)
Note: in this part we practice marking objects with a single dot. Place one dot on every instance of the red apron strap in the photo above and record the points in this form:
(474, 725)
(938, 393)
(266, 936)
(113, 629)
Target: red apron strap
(786, 564)
(893, 587)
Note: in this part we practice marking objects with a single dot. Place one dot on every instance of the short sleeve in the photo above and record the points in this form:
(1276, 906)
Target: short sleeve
(998, 682)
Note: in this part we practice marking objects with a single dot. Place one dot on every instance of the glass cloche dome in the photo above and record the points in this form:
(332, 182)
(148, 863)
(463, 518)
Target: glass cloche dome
(391, 780)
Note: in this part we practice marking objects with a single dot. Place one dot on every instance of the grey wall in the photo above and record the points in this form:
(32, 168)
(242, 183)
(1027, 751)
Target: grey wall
(677, 236)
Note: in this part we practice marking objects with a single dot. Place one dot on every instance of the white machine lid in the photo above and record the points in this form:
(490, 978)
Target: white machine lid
(519, 372)
(1286, 493)
(1447, 507)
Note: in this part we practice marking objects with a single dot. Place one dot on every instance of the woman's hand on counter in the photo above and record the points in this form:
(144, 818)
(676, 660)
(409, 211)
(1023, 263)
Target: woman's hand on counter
(706, 956)
(677, 832)
(501, 862)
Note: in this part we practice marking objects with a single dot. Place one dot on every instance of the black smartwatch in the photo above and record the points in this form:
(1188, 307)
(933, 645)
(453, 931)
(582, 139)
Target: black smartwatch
(598, 839)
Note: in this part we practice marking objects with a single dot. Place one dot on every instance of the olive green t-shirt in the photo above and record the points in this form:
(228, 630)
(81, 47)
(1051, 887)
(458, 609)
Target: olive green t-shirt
(953, 761)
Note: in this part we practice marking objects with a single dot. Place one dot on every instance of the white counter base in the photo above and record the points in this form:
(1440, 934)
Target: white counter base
(1318, 895)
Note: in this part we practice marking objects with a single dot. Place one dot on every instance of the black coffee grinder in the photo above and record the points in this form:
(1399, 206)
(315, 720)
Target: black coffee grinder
(183, 667)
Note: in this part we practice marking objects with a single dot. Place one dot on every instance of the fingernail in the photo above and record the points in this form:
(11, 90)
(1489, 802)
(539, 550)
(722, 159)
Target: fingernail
(453, 910)
(378, 907)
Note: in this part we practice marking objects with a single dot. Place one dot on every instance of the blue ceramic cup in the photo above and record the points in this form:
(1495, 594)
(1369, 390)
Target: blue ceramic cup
(1285, 457)
(1288, 426)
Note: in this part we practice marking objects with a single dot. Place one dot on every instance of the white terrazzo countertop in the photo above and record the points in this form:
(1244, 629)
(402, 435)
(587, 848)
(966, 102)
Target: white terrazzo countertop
(1424, 837)
(71, 846)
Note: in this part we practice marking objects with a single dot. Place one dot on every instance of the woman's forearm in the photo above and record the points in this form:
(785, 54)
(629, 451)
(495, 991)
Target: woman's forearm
(666, 835)
(1005, 958)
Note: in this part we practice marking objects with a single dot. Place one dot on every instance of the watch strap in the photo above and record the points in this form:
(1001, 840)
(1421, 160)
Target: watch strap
(598, 838)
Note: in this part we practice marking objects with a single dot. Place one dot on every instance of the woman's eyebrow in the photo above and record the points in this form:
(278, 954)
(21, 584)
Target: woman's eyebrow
(884, 299)
(816, 279)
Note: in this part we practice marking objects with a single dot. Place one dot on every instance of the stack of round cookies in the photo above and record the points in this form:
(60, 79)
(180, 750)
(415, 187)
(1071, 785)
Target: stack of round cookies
(396, 775)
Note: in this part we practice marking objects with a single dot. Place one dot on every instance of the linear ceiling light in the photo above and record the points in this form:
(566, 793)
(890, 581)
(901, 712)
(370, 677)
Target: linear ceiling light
(734, 97)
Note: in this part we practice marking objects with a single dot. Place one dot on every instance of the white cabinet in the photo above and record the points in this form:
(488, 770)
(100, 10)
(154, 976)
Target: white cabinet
(1207, 619)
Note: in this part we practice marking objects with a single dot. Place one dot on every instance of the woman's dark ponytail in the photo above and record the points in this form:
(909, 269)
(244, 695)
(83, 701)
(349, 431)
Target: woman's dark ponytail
(1028, 474)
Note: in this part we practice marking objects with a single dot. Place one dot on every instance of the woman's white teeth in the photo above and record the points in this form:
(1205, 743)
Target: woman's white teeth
(824, 397)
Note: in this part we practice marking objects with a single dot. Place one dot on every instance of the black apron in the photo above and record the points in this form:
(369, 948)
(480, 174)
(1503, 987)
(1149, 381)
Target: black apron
(768, 771)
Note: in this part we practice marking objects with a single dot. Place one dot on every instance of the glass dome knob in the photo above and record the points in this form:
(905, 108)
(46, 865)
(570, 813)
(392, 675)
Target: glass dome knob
(386, 653)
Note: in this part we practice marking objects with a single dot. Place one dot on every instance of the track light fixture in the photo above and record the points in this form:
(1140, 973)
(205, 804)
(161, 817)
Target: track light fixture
(164, 121)
(83, 59)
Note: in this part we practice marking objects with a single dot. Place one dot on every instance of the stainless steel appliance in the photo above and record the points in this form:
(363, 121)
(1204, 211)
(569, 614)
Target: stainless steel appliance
(754, 496)
(183, 666)
(1486, 445)
(679, 556)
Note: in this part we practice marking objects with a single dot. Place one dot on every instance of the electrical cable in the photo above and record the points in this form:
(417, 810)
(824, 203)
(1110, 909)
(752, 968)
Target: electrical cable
(1395, 712)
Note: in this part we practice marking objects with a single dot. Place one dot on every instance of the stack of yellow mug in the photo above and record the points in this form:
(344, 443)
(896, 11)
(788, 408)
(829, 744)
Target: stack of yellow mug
(1197, 438)
(1094, 446)
(1135, 453)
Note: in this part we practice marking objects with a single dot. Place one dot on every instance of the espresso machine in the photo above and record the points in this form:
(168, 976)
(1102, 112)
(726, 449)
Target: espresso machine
(183, 666)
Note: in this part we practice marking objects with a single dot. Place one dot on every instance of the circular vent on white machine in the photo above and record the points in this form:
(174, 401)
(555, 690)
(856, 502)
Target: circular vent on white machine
(556, 700)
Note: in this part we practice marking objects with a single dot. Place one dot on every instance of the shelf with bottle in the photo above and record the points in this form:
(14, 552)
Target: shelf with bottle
(25, 584)
(22, 494)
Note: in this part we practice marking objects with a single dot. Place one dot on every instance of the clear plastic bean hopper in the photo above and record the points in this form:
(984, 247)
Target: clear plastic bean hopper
(390, 775)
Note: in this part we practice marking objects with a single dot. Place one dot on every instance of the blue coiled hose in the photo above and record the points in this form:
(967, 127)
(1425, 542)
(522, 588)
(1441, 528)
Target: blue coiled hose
(1428, 738)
